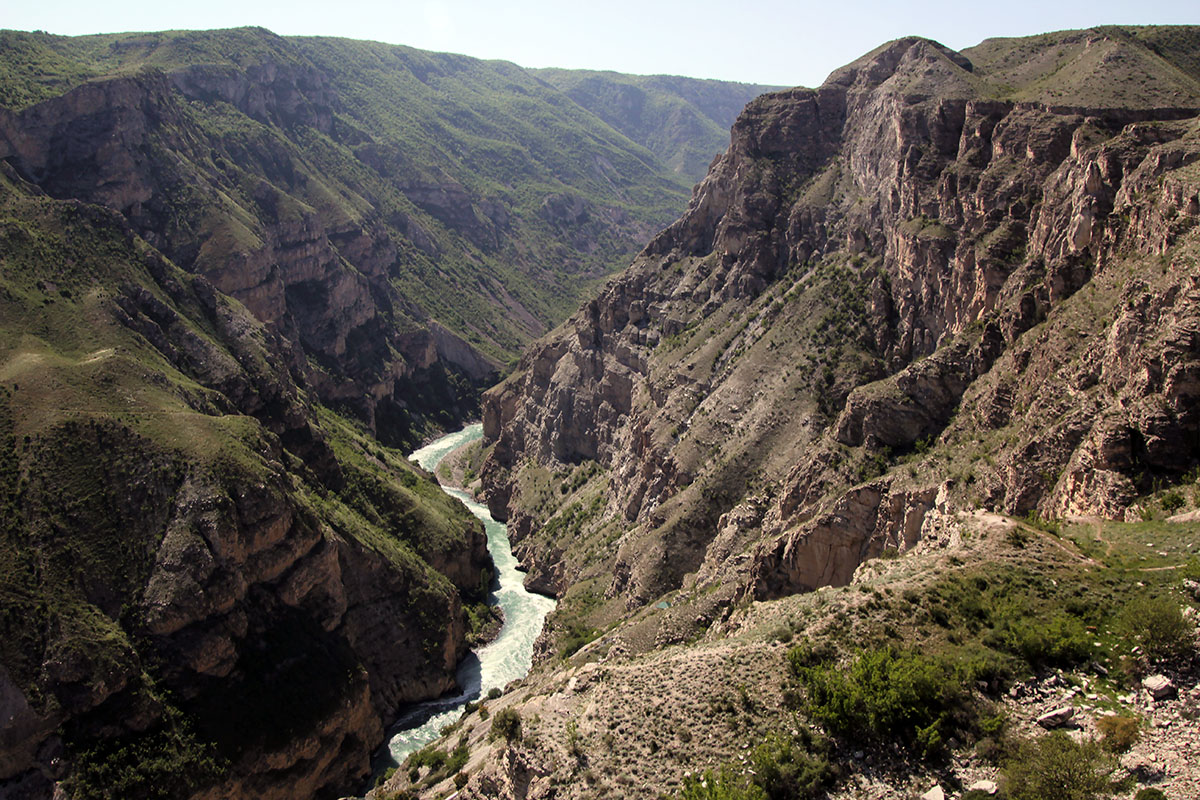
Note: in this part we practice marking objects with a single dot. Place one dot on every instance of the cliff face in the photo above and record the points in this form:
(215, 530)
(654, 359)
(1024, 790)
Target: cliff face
(135, 145)
(195, 565)
(406, 221)
(940, 280)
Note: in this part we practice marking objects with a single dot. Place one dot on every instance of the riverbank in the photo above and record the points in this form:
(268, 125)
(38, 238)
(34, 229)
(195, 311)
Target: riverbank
(505, 659)
(459, 469)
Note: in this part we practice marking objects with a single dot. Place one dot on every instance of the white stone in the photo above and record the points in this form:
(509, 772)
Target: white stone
(935, 793)
(987, 787)
(1159, 686)
(1056, 718)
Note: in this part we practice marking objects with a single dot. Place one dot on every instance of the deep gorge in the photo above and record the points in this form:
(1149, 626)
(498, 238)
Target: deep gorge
(910, 383)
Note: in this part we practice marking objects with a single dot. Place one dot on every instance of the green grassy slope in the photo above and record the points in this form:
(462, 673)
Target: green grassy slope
(684, 121)
(353, 194)
(406, 121)
(1106, 67)
(138, 407)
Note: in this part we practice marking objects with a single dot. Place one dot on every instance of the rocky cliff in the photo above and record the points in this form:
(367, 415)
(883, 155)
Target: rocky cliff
(406, 221)
(208, 588)
(939, 281)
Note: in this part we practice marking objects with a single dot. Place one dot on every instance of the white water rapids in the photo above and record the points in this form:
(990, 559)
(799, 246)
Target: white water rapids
(504, 659)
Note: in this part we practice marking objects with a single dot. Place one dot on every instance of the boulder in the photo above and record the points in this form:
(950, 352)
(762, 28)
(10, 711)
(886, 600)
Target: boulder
(1056, 718)
(987, 787)
(1160, 687)
(935, 793)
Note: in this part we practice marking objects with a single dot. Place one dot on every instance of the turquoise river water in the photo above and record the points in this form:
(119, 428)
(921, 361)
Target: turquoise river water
(504, 659)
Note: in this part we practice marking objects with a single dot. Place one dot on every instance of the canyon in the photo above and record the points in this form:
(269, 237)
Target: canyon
(240, 276)
(914, 374)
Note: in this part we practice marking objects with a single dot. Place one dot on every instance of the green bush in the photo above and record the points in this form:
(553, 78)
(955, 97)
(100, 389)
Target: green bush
(506, 725)
(428, 757)
(723, 785)
(1172, 501)
(574, 743)
(1056, 766)
(887, 695)
(1061, 641)
(385, 776)
(1150, 793)
(167, 761)
(401, 794)
(781, 768)
(458, 758)
(1157, 625)
(792, 769)
(1119, 732)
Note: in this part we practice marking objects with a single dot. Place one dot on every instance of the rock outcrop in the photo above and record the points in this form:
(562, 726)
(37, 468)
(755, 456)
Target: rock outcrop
(939, 280)
(195, 564)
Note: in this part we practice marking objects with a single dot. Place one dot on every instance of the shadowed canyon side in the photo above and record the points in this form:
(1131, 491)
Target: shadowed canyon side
(208, 586)
(940, 281)
(405, 220)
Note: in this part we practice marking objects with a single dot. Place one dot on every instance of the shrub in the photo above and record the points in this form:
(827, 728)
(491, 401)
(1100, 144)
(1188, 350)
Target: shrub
(1119, 732)
(460, 780)
(1150, 793)
(723, 785)
(400, 794)
(1172, 501)
(1157, 625)
(1056, 766)
(1060, 641)
(167, 761)
(458, 757)
(781, 768)
(385, 776)
(792, 769)
(428, 757)
(886, 694)
(494, 693)
(574, 747)
(506, 725)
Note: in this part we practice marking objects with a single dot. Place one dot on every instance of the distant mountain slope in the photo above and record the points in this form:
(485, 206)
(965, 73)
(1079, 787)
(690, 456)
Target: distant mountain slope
(408, 220)
(1108, 67)
(684, 121)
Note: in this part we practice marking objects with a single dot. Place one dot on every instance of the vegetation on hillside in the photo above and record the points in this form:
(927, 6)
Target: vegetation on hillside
(138, 409)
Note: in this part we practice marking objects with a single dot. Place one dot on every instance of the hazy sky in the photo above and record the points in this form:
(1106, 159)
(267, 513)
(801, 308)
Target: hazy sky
(760, 41)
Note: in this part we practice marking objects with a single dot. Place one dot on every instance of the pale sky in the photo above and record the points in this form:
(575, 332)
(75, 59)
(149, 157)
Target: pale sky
(759, 41)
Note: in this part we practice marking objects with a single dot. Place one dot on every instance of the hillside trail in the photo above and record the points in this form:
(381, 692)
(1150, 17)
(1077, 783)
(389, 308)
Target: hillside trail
(1098, 526)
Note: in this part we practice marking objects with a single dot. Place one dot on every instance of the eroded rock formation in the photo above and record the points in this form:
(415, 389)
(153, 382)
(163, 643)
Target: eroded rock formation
(939, 280)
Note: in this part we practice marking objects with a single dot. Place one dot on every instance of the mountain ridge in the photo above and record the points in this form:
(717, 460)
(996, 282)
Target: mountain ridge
(886, 244)
(471, 214)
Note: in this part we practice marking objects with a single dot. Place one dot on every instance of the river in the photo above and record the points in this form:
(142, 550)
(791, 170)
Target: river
(504, 659)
